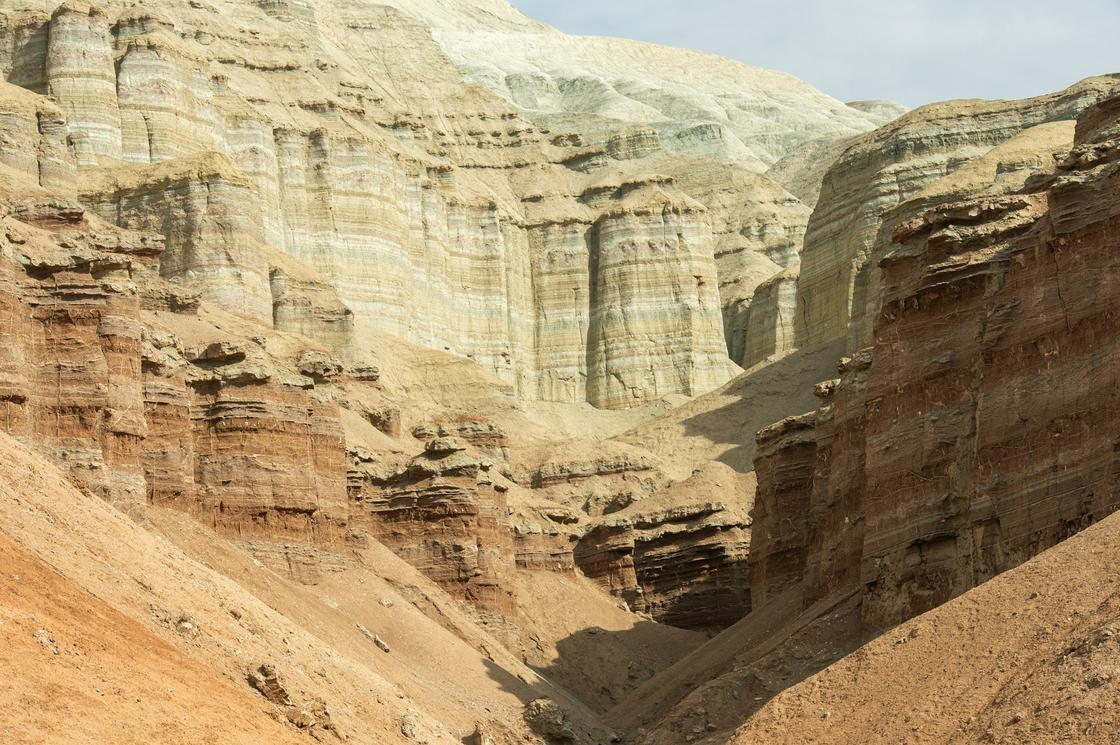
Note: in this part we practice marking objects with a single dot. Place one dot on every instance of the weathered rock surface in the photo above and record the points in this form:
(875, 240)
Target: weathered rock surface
(696, 118)
(977, 430)
(920, 473)
(441, 513)
(205, 208)
(70, 378)
(483, 220)
(679, 559)
(887, 167)
(672, 549)
(696, 103)
(307, 272)
(275, 176)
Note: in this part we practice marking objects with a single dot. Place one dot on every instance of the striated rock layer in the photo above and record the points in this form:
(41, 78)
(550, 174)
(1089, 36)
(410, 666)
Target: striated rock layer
(838, 291)
(454, 174)
(152, 396)
(681, 560)
(601, 265)
(979, 429)
(974, 433)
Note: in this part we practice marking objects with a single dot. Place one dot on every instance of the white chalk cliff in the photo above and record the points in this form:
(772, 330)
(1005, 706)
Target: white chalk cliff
(587, 218)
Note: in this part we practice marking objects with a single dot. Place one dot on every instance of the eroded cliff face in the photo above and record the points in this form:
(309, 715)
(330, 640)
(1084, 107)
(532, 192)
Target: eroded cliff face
(838, 292)
(674, 555)
(201, 397)
(977, 430)
(426, 206)
(71, 363)
(972, 434)
(284, 268)
(435, 197)
(151, 399)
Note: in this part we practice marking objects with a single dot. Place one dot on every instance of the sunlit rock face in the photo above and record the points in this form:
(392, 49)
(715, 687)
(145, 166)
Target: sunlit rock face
(204, 206)
(881, 170)
(651, 247)
(978, 427)
(715, 126)
(80, 75)
(429, 193)
(582, 252)
(34, 140)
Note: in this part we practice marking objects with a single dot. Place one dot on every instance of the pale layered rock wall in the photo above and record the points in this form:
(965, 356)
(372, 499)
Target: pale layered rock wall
(759, 230)
(214, 236)
(34, 139)
(81, 77)
(562, 308)
(769, 320)
(642, 257)
(887, 167)
(696, 103)
(395, 237)
(101, 377)
(165, 97)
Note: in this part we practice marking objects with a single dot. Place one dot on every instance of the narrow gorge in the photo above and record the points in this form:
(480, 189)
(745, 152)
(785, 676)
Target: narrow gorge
(414, 372)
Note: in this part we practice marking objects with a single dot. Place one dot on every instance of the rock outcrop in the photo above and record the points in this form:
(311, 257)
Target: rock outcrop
(922, 472)
(697, 104)
(457, 221)
(205, 208)
(674, 550)
(890, 166)
(70, 370)
(485, 220)
(441, 513)
(333, 296)
(977, 431)
(681, 560)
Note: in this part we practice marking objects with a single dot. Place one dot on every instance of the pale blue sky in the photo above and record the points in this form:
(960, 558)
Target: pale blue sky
(913, 51)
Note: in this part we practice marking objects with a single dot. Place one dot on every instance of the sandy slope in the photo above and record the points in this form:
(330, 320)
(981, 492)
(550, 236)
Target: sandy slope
(721, 425)
(175, 586)
(1031, 656)
(308, 634)
(77, 671)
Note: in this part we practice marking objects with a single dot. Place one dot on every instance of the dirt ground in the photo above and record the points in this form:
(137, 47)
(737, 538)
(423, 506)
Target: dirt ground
(77, 671)
(1031, 656)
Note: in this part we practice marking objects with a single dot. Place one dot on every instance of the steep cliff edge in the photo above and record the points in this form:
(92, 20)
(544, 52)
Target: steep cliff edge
(149, 398)
(837, 294)
(718, 128)
(387, 374)
(974, 434)
(424, 205)
(323, 140)
(976, 431)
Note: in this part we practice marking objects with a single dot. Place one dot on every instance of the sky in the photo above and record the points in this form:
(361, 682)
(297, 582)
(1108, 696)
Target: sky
(911, 51)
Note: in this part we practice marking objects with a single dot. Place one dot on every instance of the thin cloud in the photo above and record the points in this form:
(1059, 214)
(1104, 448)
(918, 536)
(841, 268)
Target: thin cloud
(913, 51)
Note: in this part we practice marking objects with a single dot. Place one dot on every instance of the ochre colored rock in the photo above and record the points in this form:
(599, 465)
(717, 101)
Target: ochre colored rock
(977, 431)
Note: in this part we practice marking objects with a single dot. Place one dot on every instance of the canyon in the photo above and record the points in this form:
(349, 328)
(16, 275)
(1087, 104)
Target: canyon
(417, 373)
